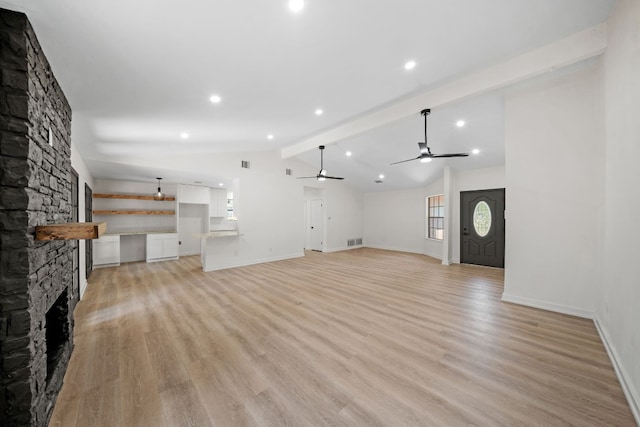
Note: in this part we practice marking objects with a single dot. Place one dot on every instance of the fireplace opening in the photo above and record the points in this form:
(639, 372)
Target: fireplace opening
(57, 332)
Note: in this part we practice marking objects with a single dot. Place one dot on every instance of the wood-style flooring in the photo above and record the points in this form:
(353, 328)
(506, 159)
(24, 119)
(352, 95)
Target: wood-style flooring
(356, 338)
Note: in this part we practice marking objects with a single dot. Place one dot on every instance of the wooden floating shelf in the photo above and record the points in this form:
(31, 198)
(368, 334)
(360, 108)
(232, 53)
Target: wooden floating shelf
(133, 212)
(131, 197)
(71, 231)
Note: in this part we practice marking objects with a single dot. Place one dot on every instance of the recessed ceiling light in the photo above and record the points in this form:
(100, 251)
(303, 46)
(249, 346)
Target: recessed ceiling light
(184, 135)
(425, 160)
(215, 99)
(381, 176)
(460, 123)
(410, 65)
(221, 184)
(475, 151)
(296, 5)
(270, 136)
(319, 112)
(348, 153)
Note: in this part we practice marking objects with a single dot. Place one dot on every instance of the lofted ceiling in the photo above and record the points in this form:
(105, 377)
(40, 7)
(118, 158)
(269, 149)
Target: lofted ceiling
(139, 74)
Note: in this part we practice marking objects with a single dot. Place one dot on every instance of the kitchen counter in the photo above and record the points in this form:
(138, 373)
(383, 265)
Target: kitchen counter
(135, 233)
(218, 233)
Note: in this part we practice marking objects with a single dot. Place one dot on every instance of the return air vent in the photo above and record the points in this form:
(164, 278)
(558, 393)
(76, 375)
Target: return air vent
(246, 164)
(288, 172)
(354, 242)
(378, 181)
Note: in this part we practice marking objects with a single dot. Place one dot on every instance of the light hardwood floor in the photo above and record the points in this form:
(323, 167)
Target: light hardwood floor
(357, 338)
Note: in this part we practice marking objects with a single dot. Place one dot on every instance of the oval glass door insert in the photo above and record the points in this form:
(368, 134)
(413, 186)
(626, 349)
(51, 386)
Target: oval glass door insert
(482, 218)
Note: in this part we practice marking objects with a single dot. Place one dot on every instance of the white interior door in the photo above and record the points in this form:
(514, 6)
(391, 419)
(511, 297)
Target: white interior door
(314, 225)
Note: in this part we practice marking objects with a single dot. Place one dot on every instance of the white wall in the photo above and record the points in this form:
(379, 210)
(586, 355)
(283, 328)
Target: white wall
(618, 299)
(343, 213)
(126, 223)
(555, 194)
(269, 205)
(395, 220)
(84, 177)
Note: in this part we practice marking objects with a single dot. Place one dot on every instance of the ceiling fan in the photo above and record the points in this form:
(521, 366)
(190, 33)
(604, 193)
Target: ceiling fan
(425, 151)
(322, 175)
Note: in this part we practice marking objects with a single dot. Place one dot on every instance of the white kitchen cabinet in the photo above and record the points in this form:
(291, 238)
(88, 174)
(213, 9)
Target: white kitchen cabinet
(162, 246)
(193, 194)
(218, 202)
(106, 251)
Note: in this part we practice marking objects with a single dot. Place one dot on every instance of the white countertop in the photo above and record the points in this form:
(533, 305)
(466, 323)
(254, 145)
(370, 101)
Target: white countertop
(134, 233)
(218, 233)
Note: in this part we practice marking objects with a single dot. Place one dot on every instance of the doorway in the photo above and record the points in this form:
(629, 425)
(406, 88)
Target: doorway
(191, 222)
(482, 227)
(313, 223)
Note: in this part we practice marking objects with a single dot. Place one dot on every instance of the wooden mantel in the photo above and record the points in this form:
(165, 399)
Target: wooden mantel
(71, 231)
(132, 197)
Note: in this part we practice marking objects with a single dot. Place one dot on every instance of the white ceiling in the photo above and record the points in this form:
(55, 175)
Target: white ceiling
(139, 73)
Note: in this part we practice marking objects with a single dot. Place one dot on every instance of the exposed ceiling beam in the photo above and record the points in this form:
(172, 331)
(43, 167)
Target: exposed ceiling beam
(575, 48)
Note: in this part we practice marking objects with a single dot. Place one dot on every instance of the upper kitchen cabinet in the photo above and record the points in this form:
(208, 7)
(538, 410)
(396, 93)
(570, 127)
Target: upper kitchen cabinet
(218, 203)
(193, 194)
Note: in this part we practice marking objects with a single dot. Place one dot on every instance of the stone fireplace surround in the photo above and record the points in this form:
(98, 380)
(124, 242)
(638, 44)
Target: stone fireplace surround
(36, 292)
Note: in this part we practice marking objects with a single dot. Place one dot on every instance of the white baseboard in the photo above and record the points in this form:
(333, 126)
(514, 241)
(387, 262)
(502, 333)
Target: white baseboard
(83, 286)
(344, 248)
(115, 264)
(189, 253)
(545, 305)
(633, 398)
(207, 269)
(395, 248)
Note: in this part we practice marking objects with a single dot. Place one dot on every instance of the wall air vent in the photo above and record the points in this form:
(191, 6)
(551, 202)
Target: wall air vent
(288, 172)
(354, 242)
(246, 164)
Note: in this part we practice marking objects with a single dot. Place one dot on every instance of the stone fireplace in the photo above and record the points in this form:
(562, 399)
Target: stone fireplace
(36, 291)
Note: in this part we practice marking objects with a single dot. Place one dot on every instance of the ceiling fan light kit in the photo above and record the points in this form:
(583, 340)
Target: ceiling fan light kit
(425, 152)
(322, 175)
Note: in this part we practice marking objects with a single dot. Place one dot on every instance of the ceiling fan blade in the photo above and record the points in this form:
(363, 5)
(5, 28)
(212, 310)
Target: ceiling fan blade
(409, 160)
(449, 155)
(322, 175)
(425, 151)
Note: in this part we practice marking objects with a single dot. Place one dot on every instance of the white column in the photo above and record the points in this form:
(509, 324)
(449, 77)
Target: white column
(448, 193)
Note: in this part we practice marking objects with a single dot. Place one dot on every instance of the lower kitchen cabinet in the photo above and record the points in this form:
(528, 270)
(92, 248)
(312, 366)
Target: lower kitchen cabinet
(162, 246)
(106, 251)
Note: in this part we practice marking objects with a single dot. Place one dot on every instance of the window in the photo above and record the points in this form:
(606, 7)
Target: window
(435, 217)
(482, 219)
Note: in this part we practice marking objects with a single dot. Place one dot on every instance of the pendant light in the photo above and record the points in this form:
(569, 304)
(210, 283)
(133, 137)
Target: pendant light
(159, 195)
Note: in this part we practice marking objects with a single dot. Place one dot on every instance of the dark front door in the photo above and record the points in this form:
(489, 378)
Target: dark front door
(88, 217)
(482, 227)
